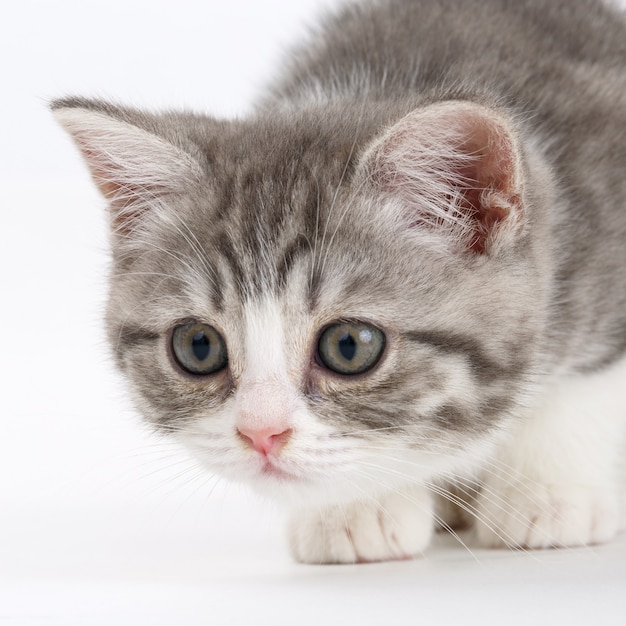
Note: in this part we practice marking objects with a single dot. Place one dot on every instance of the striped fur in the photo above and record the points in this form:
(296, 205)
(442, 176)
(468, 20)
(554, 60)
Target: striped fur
(449, 172)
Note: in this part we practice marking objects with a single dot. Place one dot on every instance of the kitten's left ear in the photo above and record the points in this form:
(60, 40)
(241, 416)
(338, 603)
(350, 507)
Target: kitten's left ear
(132, 165)
(450, 172)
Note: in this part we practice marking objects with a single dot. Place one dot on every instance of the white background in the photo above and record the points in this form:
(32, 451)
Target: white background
(100, 521)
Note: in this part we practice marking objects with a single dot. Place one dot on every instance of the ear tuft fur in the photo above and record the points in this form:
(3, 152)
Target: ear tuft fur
(132, 167)
(452, 171)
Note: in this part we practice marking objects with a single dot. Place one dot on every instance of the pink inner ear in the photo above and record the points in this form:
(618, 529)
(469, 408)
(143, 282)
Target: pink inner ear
(125, 211)
(454, 167)
(494, 199)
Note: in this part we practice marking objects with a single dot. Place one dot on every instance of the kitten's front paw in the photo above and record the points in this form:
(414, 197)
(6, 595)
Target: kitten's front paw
(393, 527)
(546, 516)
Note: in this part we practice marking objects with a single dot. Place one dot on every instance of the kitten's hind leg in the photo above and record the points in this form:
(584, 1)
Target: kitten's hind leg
(394, 526)
(556, 482)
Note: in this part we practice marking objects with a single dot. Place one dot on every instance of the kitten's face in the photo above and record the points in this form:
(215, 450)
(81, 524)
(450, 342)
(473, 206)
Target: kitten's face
(278, 315)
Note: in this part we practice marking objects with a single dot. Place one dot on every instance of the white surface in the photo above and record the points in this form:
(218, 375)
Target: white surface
(101, 522)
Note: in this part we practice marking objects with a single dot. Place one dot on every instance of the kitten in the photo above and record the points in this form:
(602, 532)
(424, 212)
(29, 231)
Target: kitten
(402, 280)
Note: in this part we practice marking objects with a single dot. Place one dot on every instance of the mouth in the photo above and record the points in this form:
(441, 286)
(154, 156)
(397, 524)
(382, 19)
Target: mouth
(270, 470)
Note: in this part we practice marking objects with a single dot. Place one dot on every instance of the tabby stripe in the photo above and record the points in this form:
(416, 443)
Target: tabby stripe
(217, 289)
(482, 366)
(134, 335)
(130, 337)
(227, 251)
(299, 246)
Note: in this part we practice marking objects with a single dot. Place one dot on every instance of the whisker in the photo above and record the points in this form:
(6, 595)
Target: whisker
(431, 514)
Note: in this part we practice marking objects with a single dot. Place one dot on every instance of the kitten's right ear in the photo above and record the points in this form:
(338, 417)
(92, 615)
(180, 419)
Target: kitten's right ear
(132, 167)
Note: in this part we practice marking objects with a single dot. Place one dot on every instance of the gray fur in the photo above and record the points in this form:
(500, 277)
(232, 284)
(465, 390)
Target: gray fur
(281, 206)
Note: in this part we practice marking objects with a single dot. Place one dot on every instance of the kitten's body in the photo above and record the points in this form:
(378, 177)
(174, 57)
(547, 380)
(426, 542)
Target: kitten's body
(451, 173)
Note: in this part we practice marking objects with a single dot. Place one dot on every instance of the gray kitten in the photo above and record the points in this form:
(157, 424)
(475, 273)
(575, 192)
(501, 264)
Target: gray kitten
(402, 280)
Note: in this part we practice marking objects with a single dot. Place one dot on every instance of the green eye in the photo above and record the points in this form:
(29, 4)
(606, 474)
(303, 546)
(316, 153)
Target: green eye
(199, 349)
(350, 347)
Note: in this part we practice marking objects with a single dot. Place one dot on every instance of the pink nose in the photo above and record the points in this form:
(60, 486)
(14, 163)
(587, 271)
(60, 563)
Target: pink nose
(265, 440)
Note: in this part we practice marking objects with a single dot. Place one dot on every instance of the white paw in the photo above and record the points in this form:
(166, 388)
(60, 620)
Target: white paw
(534, 515)
(396, 526)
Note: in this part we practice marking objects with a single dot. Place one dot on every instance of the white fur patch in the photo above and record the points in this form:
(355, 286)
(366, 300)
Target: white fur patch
(557, 480)
(398, 525)
(266, 397)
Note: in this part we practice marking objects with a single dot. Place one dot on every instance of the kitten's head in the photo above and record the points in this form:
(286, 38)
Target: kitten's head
(320, 303)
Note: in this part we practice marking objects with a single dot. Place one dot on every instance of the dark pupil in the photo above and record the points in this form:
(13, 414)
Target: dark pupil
(347, 347)
(200, 346)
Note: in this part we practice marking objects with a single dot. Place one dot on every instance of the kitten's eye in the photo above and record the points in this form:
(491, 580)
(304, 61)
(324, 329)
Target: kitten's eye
(199, 349)
(350, 347)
